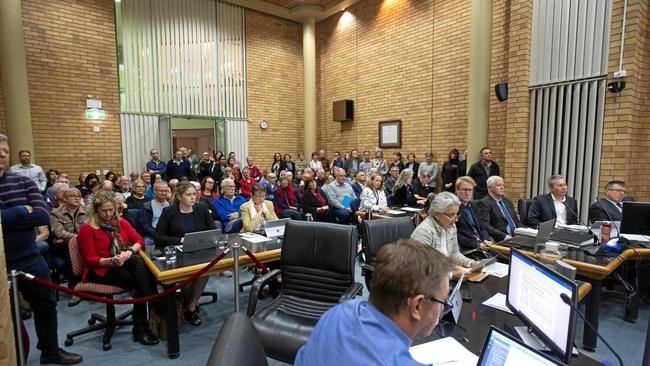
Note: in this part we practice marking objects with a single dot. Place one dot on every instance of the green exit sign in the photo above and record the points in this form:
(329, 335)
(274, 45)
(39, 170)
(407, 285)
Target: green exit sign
(95, 114)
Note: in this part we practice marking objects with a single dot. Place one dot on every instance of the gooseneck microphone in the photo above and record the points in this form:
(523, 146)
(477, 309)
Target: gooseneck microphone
(581, 222)
(567, 300)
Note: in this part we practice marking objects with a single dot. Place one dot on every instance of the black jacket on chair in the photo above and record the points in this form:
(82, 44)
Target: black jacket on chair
(604, 210)
(492, 219)
(466, 238)
(169, 230)
(543, 210)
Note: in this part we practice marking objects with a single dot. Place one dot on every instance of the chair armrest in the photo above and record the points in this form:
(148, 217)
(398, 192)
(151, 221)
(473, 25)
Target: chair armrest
(367, 268)
(256, 287)
(351, 292)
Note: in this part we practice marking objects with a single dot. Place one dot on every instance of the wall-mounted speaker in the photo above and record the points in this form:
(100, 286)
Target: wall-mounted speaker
(501, 90)
(343, 110)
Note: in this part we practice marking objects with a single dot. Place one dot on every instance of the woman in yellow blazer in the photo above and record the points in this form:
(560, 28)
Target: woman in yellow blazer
(256, 210)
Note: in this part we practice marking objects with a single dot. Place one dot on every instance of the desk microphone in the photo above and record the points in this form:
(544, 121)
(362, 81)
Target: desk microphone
(582, 222)
(567, 300)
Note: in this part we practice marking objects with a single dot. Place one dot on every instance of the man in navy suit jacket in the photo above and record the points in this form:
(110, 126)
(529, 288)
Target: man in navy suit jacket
(471, 234)
(554, 205)
(359, 183)
(609, 208)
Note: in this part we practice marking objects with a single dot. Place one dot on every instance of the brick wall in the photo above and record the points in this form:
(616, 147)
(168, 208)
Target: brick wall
(7, 341)
(3, 121)
(396, 60)
(274, 70)
(626, 130)
(70, 52)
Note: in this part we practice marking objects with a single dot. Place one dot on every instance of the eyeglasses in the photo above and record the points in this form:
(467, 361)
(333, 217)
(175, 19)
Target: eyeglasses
(467, 190)
(618, 190)
(450, 217)
(446, 305)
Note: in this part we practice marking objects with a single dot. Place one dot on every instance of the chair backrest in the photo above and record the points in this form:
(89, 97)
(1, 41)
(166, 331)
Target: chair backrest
(522, 207)
(135, 215)
(318, 260)
(238, 343)
(389, 200)
(377, 233)
(75, 256)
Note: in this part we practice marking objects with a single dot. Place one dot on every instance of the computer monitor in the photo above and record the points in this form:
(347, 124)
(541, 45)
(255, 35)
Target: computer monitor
(533, 294)
(500, 349)
(636, 218)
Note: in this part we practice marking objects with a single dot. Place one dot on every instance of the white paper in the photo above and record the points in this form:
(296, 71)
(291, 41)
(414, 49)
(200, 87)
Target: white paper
(497, 269)
(390, 134)
(498, 301)
(443, 352)
(636, 237)
(254, 238)
(410, 209)
(395, 212)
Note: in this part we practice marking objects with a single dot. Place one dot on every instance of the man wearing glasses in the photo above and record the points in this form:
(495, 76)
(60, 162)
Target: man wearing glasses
(471, 234)
(609, 208)
(403, 305)
(439, 230)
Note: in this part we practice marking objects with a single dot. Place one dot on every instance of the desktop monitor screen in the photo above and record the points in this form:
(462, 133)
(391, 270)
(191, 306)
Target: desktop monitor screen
(636, 218)
(500, 349)
(533, 294)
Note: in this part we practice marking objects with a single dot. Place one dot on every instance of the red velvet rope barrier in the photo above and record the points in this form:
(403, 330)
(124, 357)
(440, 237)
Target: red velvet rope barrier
(87, 296)
(258, 263)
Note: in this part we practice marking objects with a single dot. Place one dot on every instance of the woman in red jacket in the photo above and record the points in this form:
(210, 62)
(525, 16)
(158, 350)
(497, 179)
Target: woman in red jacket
(108, 246)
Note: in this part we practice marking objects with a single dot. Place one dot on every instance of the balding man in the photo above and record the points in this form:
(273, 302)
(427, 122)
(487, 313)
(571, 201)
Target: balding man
(336, 192)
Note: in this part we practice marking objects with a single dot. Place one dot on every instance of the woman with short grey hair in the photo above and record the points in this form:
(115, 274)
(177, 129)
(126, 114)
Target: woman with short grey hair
(439, 229)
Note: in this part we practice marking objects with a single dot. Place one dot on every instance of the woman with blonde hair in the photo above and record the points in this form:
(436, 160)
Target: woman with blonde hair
(109, 249)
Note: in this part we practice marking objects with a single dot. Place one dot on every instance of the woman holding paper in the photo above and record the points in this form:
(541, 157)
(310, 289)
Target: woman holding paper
(257, 210)
(439, 230)
(373, 196)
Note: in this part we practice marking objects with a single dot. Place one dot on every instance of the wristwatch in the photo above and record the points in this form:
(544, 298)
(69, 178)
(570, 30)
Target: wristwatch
(113, 260)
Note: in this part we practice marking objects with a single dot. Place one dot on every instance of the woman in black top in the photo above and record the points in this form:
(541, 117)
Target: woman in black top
(397, 161)
(186, 215)
(276, 165)
(137, 197)
(403, 191)
(450, 171)
(314, 202)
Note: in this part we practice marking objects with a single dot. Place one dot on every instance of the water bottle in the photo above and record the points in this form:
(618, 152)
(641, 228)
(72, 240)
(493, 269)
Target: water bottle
(309, 217)
(605, 232)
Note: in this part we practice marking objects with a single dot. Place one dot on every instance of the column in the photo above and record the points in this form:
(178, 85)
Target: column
(14, 78)
(480, 48)
(309, 61)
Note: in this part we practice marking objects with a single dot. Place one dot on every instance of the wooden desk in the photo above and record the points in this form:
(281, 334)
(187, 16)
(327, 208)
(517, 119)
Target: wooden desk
(594, 270)
(189, 263)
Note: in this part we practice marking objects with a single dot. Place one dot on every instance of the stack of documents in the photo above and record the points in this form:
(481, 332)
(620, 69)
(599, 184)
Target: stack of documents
(443, 352)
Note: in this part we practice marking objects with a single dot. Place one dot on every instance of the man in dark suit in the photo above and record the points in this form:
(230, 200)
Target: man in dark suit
(353, 162)
(359, 183)
(497, 213)
(554, 205)
(471, 234)
(609, 208)
(482, 170)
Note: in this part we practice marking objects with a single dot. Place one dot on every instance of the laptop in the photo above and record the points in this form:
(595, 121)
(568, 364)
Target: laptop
(200, 240)
(543, 234)
(275, 229)
(502, 349)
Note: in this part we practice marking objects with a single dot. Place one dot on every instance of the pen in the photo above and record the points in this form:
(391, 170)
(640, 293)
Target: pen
(444, 362)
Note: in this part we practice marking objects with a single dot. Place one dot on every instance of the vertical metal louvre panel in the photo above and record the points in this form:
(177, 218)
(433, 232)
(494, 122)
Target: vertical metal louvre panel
(237, 137)
(139, 134)
(184, 58)
(567, 88)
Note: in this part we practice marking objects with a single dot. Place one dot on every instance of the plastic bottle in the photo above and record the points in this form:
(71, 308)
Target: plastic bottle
(605, 232)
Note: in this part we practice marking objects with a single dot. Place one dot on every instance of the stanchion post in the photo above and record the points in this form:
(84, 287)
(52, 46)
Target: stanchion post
(235, 256)
(14, 297)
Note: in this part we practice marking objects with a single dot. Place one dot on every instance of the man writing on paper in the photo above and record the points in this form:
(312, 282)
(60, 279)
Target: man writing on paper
(408, 295)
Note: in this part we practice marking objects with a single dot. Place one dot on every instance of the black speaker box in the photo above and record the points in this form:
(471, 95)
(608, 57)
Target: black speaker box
(501, 90)
(343, 110)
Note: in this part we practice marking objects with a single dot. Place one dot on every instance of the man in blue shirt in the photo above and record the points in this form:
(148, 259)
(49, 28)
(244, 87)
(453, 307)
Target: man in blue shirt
(155, 165)
(228, 207)
(407, 297)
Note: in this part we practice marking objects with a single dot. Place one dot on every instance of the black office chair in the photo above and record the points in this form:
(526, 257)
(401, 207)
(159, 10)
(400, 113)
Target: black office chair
(522, 208)
(317, 267)
(238, 343)
(377, 233)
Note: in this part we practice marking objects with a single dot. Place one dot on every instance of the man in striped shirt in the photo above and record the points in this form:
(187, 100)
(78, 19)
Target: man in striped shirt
(22, 209)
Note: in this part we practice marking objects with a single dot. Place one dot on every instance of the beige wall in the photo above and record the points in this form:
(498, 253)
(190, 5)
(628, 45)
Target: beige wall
(274, 86)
